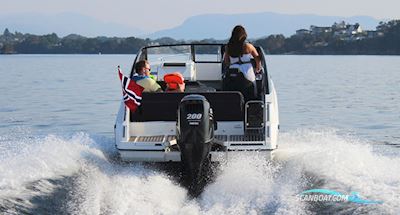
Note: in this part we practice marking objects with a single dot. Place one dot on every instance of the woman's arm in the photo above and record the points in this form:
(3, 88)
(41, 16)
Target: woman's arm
(226, 57)
(256, 56)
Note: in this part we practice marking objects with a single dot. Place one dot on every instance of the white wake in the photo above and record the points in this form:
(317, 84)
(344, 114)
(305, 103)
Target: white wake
(248, 184)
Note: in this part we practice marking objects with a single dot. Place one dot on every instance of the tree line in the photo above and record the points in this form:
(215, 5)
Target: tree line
(324, 43)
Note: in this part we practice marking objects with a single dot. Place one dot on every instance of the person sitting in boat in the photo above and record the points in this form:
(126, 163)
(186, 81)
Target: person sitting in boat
(142, 77)
(238, 54)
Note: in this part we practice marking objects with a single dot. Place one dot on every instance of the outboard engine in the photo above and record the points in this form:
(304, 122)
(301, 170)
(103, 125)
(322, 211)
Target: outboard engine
(195, 133)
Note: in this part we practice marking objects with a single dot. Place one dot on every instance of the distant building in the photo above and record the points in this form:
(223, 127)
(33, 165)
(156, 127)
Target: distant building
(319, 30)
(373, 34)
(347, 31)
(340, 33)
(339, 26)
(354, 29)
(302, 32)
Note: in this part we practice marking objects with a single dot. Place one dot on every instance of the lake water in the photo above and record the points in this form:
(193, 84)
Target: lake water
(340, 130)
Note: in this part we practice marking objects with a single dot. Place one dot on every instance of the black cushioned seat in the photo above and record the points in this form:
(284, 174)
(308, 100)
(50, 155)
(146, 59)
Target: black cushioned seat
(227, 106)
(234, 80)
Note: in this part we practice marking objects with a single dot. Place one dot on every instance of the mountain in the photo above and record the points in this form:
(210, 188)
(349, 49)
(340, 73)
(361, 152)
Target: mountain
(64, 24)
(219, 26)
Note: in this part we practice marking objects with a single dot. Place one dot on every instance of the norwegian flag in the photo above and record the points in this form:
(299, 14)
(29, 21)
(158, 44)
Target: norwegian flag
(131, 91)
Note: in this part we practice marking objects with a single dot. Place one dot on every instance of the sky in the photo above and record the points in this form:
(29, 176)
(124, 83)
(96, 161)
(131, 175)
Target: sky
(152, 15)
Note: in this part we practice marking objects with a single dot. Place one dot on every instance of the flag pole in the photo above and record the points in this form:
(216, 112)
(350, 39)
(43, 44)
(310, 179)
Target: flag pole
(127, 122)
(127, 116)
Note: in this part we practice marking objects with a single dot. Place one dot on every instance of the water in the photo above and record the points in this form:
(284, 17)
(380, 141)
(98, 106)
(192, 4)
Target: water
(353, 93)
(339, 120)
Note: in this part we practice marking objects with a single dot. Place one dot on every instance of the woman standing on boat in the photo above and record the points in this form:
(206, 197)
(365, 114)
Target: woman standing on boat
(238, 54)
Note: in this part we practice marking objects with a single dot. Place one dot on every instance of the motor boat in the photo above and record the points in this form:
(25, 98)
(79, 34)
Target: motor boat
(219, 113)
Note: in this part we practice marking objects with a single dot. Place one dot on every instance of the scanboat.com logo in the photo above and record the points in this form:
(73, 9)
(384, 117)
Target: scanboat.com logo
(331, 195)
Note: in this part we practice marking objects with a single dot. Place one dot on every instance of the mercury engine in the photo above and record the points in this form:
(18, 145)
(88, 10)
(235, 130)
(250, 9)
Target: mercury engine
(195, 134)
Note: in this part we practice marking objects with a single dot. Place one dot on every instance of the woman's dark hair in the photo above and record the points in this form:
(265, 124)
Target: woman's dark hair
(236, 42)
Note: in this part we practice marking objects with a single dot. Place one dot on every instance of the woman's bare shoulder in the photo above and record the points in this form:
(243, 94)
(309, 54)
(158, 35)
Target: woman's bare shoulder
(249, 48)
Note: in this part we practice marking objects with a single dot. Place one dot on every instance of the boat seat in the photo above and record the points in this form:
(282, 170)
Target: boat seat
(196, 86)
(159, 106)
(234, 80)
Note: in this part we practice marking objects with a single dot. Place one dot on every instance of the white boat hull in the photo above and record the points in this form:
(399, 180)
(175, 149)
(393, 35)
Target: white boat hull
(175, 156)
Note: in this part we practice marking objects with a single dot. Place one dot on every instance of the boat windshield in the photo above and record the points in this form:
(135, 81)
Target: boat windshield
(207, 53)
(169, 54)
(183, 53)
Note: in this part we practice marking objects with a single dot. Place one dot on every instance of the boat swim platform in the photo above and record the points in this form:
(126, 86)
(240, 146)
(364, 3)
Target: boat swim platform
(246, 139)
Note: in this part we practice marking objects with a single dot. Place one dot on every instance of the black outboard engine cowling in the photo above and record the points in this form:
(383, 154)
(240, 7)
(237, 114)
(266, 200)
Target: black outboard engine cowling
(195, 133)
